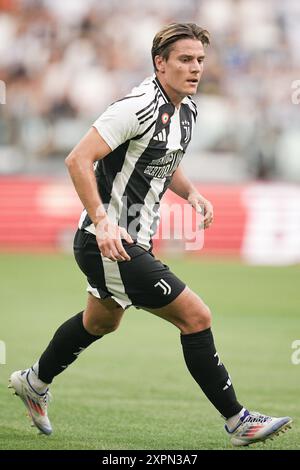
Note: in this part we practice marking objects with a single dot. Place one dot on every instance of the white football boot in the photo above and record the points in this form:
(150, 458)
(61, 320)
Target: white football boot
(35, 403)
(254, 427)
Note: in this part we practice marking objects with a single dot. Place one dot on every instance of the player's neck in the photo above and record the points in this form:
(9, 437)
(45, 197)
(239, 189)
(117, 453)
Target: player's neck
(170, 94)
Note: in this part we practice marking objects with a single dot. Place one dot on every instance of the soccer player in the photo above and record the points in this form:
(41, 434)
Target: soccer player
(121, 168)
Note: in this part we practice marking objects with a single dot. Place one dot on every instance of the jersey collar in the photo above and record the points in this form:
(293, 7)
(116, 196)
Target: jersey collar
(161, 89)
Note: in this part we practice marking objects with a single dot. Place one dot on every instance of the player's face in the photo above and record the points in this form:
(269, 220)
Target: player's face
(181, 72)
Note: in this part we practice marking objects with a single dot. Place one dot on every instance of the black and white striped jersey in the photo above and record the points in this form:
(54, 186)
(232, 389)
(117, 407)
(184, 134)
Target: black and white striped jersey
(148, 137)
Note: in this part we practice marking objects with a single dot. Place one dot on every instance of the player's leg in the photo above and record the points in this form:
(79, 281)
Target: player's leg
(190, 314)
(98, 319)
(71, 338)
(152, 286)
(193, 318)
(102, 316)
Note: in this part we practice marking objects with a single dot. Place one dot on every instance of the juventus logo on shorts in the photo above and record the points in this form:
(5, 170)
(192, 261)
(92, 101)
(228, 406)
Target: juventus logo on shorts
(165, 286)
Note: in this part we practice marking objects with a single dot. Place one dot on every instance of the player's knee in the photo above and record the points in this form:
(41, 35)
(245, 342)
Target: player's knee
(205, 316)
(101, 329)
(197, 321)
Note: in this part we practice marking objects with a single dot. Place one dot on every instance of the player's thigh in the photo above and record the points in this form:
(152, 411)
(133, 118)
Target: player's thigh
(102, 316)
(187, 312)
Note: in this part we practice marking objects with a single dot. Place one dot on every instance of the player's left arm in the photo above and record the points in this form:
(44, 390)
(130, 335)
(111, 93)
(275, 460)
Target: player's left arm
(184, 188)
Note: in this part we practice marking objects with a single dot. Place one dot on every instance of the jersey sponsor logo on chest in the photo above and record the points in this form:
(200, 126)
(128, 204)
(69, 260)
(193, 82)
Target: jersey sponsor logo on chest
(164, 166)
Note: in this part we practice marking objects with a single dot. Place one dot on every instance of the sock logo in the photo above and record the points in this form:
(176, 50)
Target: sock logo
(76, 354)
(228, 384)
(164, 285)
(219, 360)
(79, 352)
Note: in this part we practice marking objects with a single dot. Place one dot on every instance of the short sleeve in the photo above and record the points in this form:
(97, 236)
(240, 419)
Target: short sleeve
(118, 123)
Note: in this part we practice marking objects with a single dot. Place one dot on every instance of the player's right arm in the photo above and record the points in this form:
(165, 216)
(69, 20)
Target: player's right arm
(80, 164)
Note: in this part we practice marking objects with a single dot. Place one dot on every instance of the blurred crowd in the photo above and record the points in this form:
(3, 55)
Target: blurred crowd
(63, 62)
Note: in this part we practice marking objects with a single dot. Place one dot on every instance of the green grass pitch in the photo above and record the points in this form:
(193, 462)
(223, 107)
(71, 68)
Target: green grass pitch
(131, 390)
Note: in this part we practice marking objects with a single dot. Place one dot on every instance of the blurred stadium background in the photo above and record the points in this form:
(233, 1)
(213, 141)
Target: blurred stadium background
(61, 64)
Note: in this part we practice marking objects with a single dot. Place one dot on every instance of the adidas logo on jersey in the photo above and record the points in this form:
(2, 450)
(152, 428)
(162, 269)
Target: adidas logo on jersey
(161, 136)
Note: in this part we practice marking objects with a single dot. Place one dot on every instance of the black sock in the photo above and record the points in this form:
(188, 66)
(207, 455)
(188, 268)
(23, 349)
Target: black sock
(68, 342)
(204, 364)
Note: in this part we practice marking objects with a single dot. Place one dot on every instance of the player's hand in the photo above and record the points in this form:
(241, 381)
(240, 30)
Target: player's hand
(109, 238)
(203, 206)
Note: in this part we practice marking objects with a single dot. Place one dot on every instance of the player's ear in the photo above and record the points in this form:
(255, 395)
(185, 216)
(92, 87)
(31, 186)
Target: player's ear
(160, 63)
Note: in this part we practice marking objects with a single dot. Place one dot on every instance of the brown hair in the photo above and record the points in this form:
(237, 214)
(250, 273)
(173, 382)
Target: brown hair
(165, 38)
